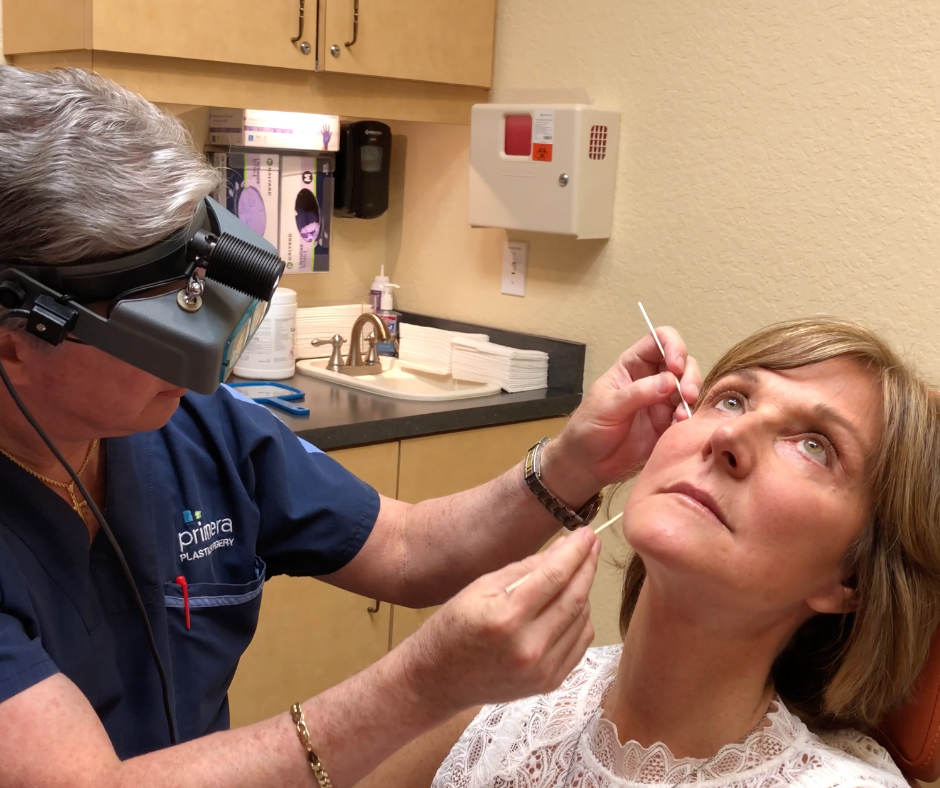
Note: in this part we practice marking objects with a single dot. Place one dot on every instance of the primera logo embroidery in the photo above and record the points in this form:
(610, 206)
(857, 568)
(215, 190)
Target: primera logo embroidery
(199, 540)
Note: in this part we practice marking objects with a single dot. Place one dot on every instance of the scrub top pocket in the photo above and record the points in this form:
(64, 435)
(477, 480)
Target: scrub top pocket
(223, 619)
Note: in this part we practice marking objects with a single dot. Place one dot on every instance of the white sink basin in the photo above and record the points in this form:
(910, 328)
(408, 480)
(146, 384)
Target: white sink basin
(400, 383)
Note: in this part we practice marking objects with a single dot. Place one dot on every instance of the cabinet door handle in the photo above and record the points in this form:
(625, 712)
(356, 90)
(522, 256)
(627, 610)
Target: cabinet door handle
(374, 610)
(300, 22)
(355, 24)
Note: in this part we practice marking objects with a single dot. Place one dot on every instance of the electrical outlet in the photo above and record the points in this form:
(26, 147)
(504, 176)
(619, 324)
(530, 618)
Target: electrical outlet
(515, 260)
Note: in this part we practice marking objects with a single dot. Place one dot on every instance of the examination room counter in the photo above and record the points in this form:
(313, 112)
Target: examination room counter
(341, 417)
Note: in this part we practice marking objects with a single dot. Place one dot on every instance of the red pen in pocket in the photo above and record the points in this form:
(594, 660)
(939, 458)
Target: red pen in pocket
(181, 582)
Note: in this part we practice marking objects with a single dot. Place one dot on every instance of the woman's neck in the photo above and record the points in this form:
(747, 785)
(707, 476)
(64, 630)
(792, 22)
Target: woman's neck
(691, 687)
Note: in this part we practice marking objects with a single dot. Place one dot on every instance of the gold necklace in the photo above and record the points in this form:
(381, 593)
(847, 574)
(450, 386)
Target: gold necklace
(69, 487)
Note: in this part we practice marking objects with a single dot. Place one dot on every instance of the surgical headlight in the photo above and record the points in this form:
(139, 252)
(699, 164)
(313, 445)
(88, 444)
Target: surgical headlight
(190, 335)
(237, 264)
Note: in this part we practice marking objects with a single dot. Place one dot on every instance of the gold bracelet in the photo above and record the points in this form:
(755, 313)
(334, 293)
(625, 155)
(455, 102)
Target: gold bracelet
(316, 766)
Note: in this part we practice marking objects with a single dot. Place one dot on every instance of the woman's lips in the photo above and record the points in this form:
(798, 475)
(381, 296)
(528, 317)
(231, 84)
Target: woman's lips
(700, 500)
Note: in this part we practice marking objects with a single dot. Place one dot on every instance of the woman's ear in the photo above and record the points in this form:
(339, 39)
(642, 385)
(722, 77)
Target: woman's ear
(839, 598)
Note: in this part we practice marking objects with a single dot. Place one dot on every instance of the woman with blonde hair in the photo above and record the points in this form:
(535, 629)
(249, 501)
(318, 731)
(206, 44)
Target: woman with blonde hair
(786, 558)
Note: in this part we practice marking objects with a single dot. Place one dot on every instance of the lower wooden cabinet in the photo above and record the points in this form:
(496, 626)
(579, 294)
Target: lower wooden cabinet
(312, 636)
(441, 465)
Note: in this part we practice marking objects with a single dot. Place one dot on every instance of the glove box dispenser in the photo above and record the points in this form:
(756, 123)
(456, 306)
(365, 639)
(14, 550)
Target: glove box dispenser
(547, 168)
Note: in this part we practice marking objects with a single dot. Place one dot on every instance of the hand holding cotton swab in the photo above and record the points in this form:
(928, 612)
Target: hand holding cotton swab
(660, 346)
(597, 530)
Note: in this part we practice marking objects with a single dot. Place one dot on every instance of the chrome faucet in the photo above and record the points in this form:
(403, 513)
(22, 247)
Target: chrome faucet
(372, 365)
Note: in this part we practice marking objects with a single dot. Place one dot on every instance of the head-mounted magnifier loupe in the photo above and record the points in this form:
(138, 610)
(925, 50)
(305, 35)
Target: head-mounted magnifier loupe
(183, 309)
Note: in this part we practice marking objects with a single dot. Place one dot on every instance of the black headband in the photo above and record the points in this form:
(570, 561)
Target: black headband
(105, 280)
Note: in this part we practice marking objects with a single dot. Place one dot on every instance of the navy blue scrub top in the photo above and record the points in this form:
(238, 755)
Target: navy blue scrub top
(224, 496)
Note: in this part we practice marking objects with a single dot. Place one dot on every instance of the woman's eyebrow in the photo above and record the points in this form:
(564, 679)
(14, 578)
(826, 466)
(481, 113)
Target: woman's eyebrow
(749, 375)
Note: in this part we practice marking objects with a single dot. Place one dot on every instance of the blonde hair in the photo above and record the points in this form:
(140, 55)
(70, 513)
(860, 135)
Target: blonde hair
(850, 669)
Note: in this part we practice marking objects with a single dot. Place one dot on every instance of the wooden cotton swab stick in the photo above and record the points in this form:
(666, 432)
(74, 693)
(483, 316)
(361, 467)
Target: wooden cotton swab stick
(597, 530)
(660, 346)
(610, 522)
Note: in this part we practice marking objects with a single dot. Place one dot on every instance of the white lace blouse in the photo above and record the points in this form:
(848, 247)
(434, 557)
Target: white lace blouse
(560, 740)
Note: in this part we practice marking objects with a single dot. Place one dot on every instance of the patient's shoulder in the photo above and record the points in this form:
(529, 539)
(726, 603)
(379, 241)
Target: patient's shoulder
(558, 713)
(859, 758)
(502, 736)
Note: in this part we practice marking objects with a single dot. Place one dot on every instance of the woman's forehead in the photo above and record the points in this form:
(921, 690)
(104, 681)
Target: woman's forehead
(838, 372)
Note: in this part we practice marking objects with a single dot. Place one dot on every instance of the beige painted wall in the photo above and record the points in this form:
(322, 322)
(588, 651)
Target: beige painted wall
(777, 159)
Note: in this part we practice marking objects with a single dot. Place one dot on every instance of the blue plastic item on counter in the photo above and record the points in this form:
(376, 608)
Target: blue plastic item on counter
(277, 395)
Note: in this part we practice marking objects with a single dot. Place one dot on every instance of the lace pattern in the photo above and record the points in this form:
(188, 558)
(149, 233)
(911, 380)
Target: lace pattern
(531, 744)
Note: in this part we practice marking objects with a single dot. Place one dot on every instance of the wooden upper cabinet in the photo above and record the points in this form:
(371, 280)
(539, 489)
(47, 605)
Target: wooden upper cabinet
(438, 41)
(227, 31)
(427, 40)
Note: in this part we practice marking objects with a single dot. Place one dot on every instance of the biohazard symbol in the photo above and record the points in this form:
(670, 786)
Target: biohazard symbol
(541, 152)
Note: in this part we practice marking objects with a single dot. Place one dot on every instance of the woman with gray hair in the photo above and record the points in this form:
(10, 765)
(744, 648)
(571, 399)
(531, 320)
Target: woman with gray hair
(116, 653)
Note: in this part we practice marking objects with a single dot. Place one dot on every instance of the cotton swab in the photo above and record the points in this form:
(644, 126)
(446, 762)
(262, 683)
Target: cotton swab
(610, 522)
(597, 530)
(660, 346)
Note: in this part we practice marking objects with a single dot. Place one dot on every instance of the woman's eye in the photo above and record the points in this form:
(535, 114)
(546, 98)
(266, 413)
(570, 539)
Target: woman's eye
(733, 403)
(815, 448)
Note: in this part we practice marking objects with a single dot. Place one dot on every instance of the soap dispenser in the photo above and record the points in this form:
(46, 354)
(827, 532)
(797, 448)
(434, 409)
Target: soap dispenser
(375, 292)
(390, 317)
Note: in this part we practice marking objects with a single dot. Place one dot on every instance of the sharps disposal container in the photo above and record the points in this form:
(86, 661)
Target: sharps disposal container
(547, 168)
(270, 354)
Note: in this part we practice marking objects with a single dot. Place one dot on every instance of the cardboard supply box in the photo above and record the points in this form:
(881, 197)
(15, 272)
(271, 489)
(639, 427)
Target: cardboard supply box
(253, 128)
(252, 189)
(306, 208)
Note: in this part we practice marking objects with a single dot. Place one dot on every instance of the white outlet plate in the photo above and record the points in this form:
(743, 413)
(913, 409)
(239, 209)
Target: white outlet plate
(515, 261)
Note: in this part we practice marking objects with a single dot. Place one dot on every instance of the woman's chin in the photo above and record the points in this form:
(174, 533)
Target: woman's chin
(679, 548)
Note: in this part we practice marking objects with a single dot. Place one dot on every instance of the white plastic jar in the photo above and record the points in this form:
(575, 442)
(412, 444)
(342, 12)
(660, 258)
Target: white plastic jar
(270, 354)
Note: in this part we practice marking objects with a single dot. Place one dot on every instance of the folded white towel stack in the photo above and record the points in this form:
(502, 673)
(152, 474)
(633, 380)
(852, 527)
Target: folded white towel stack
(322, 322)
(512, 368)
(429, 349)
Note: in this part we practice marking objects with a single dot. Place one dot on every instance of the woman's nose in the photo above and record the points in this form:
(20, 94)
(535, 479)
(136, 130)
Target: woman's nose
(731, 447)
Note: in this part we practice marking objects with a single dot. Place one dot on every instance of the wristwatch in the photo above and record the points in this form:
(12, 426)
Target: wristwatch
(567, 516)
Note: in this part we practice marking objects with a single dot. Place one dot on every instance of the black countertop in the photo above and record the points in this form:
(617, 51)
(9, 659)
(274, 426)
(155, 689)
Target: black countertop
(341, 417)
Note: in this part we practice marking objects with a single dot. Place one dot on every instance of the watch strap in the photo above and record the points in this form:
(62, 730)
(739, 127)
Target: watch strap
(567, 516)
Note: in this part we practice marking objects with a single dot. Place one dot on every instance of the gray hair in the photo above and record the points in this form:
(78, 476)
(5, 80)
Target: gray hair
(90, 169)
